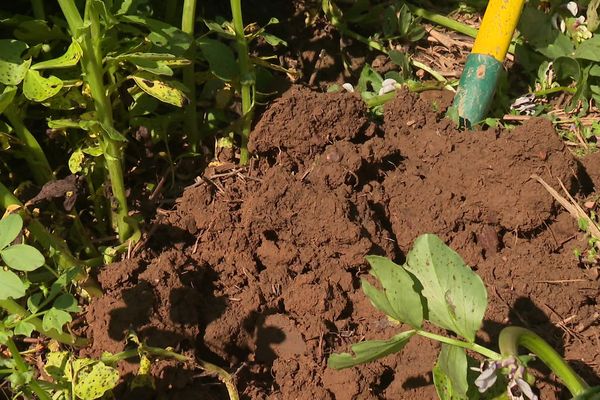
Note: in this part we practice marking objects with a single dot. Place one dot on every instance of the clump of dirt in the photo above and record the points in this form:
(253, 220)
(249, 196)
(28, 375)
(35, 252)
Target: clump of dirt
(258, 270)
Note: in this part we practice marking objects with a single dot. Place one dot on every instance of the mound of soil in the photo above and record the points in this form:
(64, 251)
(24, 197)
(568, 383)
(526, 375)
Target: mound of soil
(258, 270)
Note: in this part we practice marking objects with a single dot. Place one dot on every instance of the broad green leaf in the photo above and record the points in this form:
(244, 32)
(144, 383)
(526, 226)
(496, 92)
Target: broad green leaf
(162, 34)
(38, 88)
(34, 301)
(22, 257)
(66, 302)
(567, 67)
(56, 363)
(589, 49)
(7, 96)
(452, 363)
(10, 227)
(69, 59)
(221, 60)
(443, 385)
(37, 31)
(154, 67)
(398, 299)
(24, 328)
(456, 296)
(12, 67)
(11, 286)
(162, 90)
(93, 384)
(369, 351)
(560, 47)
(55, 319)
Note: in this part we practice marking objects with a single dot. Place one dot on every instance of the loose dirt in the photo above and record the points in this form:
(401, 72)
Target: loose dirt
(258, 270)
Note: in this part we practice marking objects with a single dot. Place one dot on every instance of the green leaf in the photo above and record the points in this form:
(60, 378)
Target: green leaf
(11, 286)
(162, 90)
(398, 299)
(113, 133)
(273, 40)
(4, 335)
(456, 296)
(55, 319)
(10, 227)
(56, 362)
(69, 59)
(22, 257)
(93, 384)
(76, 161)
(369, 77)
(369, 351)
(66, 302)
(37, 88)
(7, 96)
(221, 60)
(589, 49)
(162, 34)
(567, 67)
(37, 31)
(592, 393)
(24, 328)
(12, 67)
(452, 364)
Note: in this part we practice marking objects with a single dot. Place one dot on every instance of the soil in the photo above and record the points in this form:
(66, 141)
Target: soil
(258, 270)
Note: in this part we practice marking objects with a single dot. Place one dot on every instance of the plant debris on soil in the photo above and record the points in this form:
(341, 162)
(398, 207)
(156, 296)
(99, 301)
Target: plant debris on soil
(258, 270)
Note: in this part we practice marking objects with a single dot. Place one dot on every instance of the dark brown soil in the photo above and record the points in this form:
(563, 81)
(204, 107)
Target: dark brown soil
(258, 270)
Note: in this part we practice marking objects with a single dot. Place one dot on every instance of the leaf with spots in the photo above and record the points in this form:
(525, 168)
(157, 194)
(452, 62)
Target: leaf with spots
(160, 89)
(12, 67)
(456, 296)
(38, 88)
(69, 59)
(398, 299)
(94, 383)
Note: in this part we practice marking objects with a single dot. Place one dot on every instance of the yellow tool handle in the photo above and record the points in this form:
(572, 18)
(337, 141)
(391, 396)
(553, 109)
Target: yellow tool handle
(497, 28)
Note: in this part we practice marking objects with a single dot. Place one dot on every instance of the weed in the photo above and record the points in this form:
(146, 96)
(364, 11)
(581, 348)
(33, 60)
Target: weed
(434, 285)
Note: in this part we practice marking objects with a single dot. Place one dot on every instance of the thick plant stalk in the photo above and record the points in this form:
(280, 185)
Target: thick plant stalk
(246, 77)
(22, 368)
(512, 337)
(188, 19)
(38, 9)
(92, 69)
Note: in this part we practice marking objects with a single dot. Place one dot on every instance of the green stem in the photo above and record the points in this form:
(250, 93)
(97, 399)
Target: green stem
(512, 337)
(545, 92)
(246, 77)
(92, 69)
(38, 9)
(34, 154)
(23, 368)
(413, 86)
(171, 12)
(450, 24)
(12, 307)
(188, 19)
(492, 355)
(112, 359)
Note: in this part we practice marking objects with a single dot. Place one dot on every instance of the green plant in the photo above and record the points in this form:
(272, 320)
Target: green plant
(436, 286)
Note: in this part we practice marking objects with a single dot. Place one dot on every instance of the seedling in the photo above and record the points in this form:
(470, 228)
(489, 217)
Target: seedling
(434, 285)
